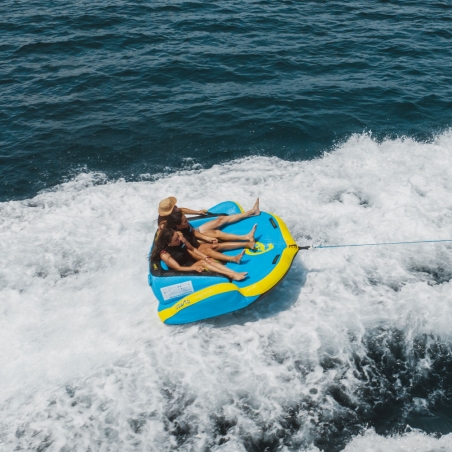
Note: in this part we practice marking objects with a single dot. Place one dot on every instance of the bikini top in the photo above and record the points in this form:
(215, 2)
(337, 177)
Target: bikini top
(179, 253)
(189, 235)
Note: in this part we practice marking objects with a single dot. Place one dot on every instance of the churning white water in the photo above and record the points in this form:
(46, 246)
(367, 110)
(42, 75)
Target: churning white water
(87, 365)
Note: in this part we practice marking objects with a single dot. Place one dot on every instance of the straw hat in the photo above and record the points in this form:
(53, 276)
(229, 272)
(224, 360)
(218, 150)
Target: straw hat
(166, 206)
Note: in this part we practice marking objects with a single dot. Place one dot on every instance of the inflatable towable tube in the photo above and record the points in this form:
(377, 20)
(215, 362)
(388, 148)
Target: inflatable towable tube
(186, 297)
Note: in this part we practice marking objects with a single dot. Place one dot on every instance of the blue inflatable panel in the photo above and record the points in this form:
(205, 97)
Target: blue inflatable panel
(187, 297)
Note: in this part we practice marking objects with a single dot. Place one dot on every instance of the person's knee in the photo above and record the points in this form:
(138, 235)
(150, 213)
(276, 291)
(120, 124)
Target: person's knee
(222, 220)
(218, 222)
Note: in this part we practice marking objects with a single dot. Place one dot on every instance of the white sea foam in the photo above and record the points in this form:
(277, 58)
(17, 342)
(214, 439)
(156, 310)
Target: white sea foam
(85, 361)
(409, 442)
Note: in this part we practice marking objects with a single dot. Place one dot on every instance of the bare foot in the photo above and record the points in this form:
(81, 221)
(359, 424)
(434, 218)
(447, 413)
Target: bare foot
(239, 276)
(255, 210)
(251, 245)
(238, 258)
(250, 236)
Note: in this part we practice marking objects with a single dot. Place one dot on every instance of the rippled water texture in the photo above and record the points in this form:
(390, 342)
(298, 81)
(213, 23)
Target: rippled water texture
(132, 88)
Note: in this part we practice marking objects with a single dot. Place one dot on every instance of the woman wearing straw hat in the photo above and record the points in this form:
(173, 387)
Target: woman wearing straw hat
(210, 231)
(168, 204)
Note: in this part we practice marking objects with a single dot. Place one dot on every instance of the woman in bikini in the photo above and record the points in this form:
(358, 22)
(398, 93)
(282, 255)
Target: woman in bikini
(178, 221)
(179, 255)
(210, 231)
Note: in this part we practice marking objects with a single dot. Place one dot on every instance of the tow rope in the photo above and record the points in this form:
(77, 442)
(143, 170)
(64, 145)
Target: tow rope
(371, 244)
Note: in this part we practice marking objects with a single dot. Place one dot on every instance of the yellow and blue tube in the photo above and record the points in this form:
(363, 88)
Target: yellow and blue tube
(185, 298)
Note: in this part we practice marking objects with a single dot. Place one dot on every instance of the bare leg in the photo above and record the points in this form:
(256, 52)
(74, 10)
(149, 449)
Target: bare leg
(227, 246)
(223, 221)
(208, 250)
(225, 237)
(237, 276)
(219, 268)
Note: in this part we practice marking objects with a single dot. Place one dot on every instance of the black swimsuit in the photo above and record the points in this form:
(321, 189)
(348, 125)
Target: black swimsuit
(180, 254)
(189, 235)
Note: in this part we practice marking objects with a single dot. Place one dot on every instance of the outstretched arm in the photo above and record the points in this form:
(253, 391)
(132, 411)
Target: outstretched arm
(193, 212)
(193, 250)
(206, 238)
(200, 266)
(197, 266)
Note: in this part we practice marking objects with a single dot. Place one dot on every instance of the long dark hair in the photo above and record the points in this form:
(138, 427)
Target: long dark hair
(174, 219)
(163, 238)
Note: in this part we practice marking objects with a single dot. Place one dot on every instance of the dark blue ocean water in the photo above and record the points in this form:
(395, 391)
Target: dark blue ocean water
(137, 89)
(133, 87)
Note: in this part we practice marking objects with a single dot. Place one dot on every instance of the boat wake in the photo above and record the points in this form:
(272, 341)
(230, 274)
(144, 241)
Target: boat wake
(351, 352)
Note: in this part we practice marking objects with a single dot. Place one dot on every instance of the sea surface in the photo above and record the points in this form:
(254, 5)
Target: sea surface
(338, 115)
